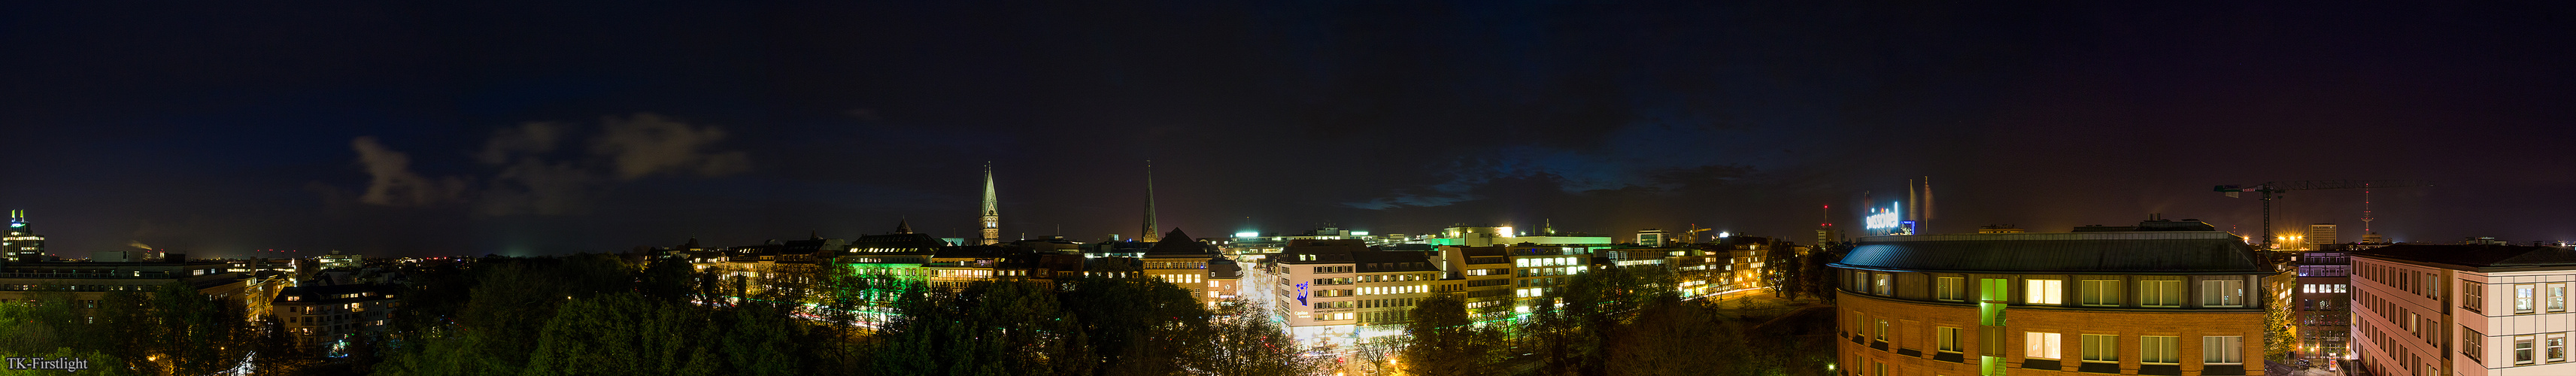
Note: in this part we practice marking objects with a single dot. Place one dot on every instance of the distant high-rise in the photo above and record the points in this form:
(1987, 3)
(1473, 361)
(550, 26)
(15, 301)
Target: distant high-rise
(22, 242)
(992, 210)
(1152, 228)
(2320, 235)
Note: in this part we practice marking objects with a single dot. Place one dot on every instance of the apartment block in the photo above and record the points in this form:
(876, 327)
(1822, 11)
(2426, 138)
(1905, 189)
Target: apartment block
(2467, 310)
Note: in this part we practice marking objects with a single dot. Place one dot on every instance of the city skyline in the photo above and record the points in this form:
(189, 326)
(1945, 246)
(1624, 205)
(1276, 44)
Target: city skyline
(555, 128)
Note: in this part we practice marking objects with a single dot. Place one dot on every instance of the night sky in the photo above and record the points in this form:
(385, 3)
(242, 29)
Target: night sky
(466, 127)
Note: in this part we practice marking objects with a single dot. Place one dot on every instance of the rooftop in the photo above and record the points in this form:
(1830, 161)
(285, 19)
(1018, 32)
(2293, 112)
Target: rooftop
(2479, 256)
(2092, 252)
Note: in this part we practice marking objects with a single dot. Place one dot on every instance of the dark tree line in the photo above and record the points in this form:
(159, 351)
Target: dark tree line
(594, 314)
(1619, 321)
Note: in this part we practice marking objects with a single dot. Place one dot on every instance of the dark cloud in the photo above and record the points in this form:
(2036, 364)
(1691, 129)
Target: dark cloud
(646, 144)
(393, 183)
(533, 180)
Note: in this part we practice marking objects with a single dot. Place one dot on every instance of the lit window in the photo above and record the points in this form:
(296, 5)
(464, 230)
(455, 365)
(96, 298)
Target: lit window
(2040, 345)
(2522, 298)
(2044, 291)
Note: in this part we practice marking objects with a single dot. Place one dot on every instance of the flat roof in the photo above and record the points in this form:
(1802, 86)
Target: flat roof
(2109, 252)
(2482, 257)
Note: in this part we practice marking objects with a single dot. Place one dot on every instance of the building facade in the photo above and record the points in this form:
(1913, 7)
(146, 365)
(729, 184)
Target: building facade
(2319, 236)
(1483, 276)
(19, 242)
(86, 283)
(1182, 261)
(2467, 310)
(2324, 304)
(1340, 291)
(328, 317)
(2169, 298)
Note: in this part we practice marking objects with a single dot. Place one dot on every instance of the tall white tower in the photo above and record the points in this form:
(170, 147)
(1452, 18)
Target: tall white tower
(992, 210)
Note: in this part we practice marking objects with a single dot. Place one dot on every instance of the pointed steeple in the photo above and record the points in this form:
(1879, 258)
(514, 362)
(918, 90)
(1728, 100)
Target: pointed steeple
(1151, 226)
(992, 210)
(904, 227)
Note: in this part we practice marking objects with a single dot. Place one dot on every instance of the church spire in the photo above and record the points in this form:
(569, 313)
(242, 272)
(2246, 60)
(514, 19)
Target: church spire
(1153, 230)
(992, 210)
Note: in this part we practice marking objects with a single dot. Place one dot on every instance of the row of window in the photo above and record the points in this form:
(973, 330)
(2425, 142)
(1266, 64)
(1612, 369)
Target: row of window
(2089, 292)
(1549, 271)
(2105, 348)
(2527, 297)
(1547, 261)
(2423, 284)
(2324, 288)
(1414, 289)
(2554, 344)
(2097, 348)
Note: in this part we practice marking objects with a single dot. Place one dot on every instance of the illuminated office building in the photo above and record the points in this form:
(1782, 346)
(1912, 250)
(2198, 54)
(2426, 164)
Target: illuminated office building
(21, 242)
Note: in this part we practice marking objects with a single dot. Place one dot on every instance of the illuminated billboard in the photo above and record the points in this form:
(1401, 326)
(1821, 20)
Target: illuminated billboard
(1883, 219)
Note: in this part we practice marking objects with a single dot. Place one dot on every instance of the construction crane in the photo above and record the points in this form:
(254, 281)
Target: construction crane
(1694, 231)
(2274, 190)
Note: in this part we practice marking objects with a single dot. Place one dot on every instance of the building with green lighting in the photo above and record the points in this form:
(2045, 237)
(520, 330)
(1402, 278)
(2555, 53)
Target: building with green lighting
(2161, 298)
